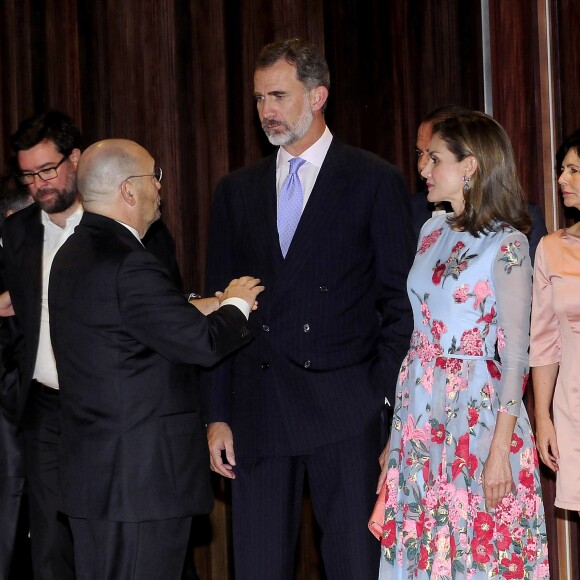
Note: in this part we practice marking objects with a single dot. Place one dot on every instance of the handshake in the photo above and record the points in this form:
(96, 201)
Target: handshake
(246, 288)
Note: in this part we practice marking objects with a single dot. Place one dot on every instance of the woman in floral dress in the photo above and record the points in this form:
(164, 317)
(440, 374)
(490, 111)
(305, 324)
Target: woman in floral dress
(463, 496)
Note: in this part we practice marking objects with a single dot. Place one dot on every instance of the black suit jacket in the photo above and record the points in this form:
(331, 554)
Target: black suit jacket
(334, 321)
(23, 239)
(125, 339)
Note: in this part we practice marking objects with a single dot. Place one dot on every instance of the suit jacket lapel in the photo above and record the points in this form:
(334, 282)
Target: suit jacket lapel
(31, 248)
(260, 207)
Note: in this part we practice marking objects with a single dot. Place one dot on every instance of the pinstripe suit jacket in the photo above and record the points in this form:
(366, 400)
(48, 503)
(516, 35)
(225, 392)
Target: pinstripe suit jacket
(334, 321)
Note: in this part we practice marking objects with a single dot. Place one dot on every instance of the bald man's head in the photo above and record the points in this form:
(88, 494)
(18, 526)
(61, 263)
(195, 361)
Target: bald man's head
(106, 164)
(116, 178)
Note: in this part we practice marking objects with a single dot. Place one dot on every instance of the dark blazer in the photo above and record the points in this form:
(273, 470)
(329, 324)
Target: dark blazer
(125, 339)
(23, 238)
(422, 211)
(334, 321)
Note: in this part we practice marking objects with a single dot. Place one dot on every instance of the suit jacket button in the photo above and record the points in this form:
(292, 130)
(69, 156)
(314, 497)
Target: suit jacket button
(306, 364)
(265, 328)
(324, 289)
(265, 366)
(306, 328)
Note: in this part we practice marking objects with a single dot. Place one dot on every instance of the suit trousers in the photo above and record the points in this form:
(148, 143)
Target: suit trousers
(267, 500)
(13, 535)
(106, 550)
(50, 535)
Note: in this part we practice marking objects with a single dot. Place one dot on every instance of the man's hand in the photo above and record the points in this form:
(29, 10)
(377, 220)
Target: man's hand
(247, 288)
(206, 305)
(6, 305)
(384, 463)
(220, 438)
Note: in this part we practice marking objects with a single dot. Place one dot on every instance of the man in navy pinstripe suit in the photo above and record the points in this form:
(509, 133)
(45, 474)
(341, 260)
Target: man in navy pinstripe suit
(305, 399)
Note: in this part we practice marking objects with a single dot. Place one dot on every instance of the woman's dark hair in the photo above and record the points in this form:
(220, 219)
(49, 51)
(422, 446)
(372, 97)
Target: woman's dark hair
(495, 195)
(572, 142)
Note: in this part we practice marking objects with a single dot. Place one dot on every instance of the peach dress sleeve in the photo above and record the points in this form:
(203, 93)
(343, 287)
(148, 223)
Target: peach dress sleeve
(555, 338)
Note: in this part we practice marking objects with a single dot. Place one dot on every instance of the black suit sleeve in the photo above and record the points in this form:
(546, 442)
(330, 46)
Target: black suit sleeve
(157, 315)
(538, 228)
(394, 245)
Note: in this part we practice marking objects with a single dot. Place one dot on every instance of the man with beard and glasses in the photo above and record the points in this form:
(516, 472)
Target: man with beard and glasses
(305, 399)
(47, 151)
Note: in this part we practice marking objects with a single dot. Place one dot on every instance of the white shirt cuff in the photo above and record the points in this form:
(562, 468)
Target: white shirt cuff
(238, 303)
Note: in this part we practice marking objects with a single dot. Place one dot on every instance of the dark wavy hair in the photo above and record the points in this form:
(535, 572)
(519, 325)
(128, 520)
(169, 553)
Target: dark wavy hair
(444, 112)
(495, 196)
(311, 66)
(48, 126)
(572, 142)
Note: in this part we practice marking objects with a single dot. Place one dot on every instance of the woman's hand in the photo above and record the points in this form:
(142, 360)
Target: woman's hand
(547, 443)
(497, 477)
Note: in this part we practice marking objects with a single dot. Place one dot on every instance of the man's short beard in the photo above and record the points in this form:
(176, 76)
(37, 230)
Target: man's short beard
(64, 198)
(294, 133)
(63, 201)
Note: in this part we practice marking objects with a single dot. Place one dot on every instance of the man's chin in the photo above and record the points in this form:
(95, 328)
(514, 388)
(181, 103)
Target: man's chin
(54, 206)
(280, 139)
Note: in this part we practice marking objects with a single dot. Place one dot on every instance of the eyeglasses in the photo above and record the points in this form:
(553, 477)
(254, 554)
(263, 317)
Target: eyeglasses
(45, 174)
(157, 174)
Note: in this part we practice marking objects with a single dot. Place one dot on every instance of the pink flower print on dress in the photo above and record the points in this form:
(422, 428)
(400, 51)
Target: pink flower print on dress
(438, 328)
(512, 568)
(461, 294)
(438, 272)
(481, 290)
(412, 432)
(511, 256)
(471, 342)
(455, 264)
(426, 314)
(429, 240)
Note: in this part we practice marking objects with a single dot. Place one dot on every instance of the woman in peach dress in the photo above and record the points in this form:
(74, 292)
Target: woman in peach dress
(555, 339)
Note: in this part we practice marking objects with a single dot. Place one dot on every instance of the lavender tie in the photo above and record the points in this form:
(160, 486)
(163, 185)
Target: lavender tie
(290, 205)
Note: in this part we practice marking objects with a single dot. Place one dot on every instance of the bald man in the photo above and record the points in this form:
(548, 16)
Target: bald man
(134, 467)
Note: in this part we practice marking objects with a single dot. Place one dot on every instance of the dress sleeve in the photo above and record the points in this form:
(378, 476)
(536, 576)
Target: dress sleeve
(545, 333)
(512, 274)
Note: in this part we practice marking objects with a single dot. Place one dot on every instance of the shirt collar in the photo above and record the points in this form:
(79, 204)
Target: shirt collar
(314, 155)
(132, 230)
(72, 220)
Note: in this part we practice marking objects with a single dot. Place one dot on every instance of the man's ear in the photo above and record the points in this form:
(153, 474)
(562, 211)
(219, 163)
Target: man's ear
(75, 156)
(127, 193)
(318, 97)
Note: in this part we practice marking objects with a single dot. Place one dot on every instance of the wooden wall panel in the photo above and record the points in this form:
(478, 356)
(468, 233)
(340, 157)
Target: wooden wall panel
(515, 86)
(567, 17)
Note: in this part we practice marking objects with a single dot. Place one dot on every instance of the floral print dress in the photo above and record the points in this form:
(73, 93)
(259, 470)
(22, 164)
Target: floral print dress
(469, 296)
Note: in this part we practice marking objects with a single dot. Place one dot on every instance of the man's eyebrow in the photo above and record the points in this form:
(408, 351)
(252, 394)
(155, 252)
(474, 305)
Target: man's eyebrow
(40, 167)
(275, 93)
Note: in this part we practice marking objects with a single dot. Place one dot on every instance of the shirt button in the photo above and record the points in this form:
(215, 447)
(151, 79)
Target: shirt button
(306, 328)
(306, 364)
(324, 288)
(265, 366)
(265, 328)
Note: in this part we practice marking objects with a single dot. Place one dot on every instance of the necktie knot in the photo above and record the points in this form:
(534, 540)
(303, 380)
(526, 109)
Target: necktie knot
(290, 204)
(295, 164)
